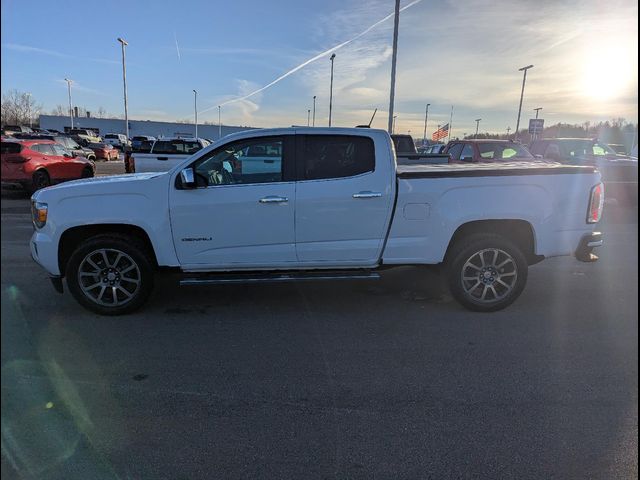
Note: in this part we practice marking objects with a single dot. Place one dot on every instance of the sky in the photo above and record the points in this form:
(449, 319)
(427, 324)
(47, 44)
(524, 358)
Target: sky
(463, 54)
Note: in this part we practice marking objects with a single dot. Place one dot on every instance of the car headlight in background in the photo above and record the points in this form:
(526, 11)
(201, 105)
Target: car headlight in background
(39, 212)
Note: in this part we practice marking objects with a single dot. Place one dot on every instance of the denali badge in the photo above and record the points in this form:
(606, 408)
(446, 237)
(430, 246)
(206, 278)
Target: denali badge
(197, 239)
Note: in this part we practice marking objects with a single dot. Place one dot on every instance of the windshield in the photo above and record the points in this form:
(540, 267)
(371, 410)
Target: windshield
(503, 151)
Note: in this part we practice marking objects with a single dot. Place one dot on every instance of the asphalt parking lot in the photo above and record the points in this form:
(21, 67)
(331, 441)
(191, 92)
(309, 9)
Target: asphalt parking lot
(390, 379)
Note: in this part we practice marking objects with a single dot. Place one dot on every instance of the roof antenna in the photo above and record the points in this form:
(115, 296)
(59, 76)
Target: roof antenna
(370, 121)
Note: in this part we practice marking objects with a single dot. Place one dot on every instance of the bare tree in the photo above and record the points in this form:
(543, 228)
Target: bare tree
(18, 108)
(60, 110)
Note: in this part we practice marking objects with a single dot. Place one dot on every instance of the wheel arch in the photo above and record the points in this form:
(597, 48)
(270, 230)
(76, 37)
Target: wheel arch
(74, 236)
(520, 232)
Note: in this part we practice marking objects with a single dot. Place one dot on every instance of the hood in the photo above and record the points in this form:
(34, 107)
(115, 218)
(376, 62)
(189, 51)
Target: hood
(127, 183)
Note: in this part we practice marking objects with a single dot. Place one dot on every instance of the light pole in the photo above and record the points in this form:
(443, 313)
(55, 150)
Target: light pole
(219, 123)
(333, 56)
(394, 57)
(308, 117)
(70, 107)
(124, 81)
(313, 124)
(426, 115)
(477, 126)
(508, 130)
(524, 79)
(393, 124)
(195, 110)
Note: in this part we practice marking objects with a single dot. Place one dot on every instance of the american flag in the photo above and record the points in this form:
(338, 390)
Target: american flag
(440, 133)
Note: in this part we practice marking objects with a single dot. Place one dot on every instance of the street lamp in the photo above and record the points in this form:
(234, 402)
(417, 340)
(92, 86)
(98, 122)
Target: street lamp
(70, 107)
(524, 79)
(124, 81)
(535, 135)
(426, 115)
(333, 56)
(313, 124)
(308, 116)
(219, 123)
(393, 124)
(477, 125)
(195, 110)
(508, 130)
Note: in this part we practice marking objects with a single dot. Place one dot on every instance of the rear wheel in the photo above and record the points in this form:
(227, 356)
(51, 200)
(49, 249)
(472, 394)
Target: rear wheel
(40, 179)
(486, 272)
(110, 274)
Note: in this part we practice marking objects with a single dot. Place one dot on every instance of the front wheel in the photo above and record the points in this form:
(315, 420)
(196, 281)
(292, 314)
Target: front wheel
(486, 272)
(110, 274)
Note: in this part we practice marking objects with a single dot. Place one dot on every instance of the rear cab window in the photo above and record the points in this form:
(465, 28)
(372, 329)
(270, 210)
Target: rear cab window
(176, 147)
(322, 157)
(10, 148)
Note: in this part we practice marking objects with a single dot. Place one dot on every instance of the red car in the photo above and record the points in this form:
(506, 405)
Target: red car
(36, 164)
(103, 151)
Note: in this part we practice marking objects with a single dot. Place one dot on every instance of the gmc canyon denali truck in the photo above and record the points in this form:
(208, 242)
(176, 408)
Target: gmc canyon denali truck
(333, 204)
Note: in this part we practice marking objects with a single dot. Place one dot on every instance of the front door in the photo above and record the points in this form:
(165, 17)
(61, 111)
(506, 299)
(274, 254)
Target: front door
(239, 216)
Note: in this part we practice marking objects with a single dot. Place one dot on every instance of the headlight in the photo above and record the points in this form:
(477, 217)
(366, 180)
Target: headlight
(39, 212)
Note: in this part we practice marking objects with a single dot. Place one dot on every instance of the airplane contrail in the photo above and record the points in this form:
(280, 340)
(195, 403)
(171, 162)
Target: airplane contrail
(312, 59)
(177, 48)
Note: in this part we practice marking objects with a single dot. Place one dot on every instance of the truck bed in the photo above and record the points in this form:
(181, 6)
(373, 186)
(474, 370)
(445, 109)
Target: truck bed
(494, 169)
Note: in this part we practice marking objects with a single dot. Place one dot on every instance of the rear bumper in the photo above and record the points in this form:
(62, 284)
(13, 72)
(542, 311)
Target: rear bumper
(584, 252)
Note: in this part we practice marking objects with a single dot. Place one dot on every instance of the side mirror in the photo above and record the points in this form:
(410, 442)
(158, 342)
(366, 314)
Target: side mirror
(187, 178)
(538, 155)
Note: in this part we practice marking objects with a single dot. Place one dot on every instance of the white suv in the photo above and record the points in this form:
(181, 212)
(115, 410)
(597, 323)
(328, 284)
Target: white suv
(116, 140)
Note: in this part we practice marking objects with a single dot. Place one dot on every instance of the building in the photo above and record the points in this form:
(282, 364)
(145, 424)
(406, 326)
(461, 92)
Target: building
(137, 127)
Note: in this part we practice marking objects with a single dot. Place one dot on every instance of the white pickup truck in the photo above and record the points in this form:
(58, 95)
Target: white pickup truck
(332, 205)
(165, 154)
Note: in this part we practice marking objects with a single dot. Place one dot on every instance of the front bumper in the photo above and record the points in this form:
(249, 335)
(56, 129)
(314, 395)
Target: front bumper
(584, 252)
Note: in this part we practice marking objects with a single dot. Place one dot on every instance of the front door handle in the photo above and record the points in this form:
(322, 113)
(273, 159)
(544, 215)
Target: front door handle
(273, 199)
(367, 194)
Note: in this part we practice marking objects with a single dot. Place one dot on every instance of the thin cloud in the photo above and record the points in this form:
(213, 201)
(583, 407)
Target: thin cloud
(53, 53)
(313, 59)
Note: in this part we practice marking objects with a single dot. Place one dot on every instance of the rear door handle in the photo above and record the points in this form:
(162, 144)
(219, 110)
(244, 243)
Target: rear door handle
(273, 199)
(162, 158)
(367, 194)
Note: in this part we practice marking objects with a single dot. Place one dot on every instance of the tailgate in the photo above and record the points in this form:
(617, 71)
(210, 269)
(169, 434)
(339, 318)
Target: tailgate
(152, 162)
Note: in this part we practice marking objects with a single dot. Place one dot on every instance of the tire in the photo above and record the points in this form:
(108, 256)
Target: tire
(127, 273)
(486, 272)
(40, 179)
(87, 172)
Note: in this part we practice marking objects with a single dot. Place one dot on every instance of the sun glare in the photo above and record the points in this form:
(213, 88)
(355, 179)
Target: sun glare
(607, 70)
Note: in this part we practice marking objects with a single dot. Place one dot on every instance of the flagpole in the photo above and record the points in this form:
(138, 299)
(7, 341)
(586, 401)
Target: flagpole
(450, 123)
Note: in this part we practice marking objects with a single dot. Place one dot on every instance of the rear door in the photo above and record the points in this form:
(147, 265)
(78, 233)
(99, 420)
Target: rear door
(343, 199)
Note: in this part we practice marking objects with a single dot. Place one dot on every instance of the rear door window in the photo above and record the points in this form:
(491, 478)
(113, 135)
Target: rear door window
(334, 156)
(43, 148)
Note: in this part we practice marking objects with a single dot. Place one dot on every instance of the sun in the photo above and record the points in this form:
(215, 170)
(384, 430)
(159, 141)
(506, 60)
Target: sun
(607, 70)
